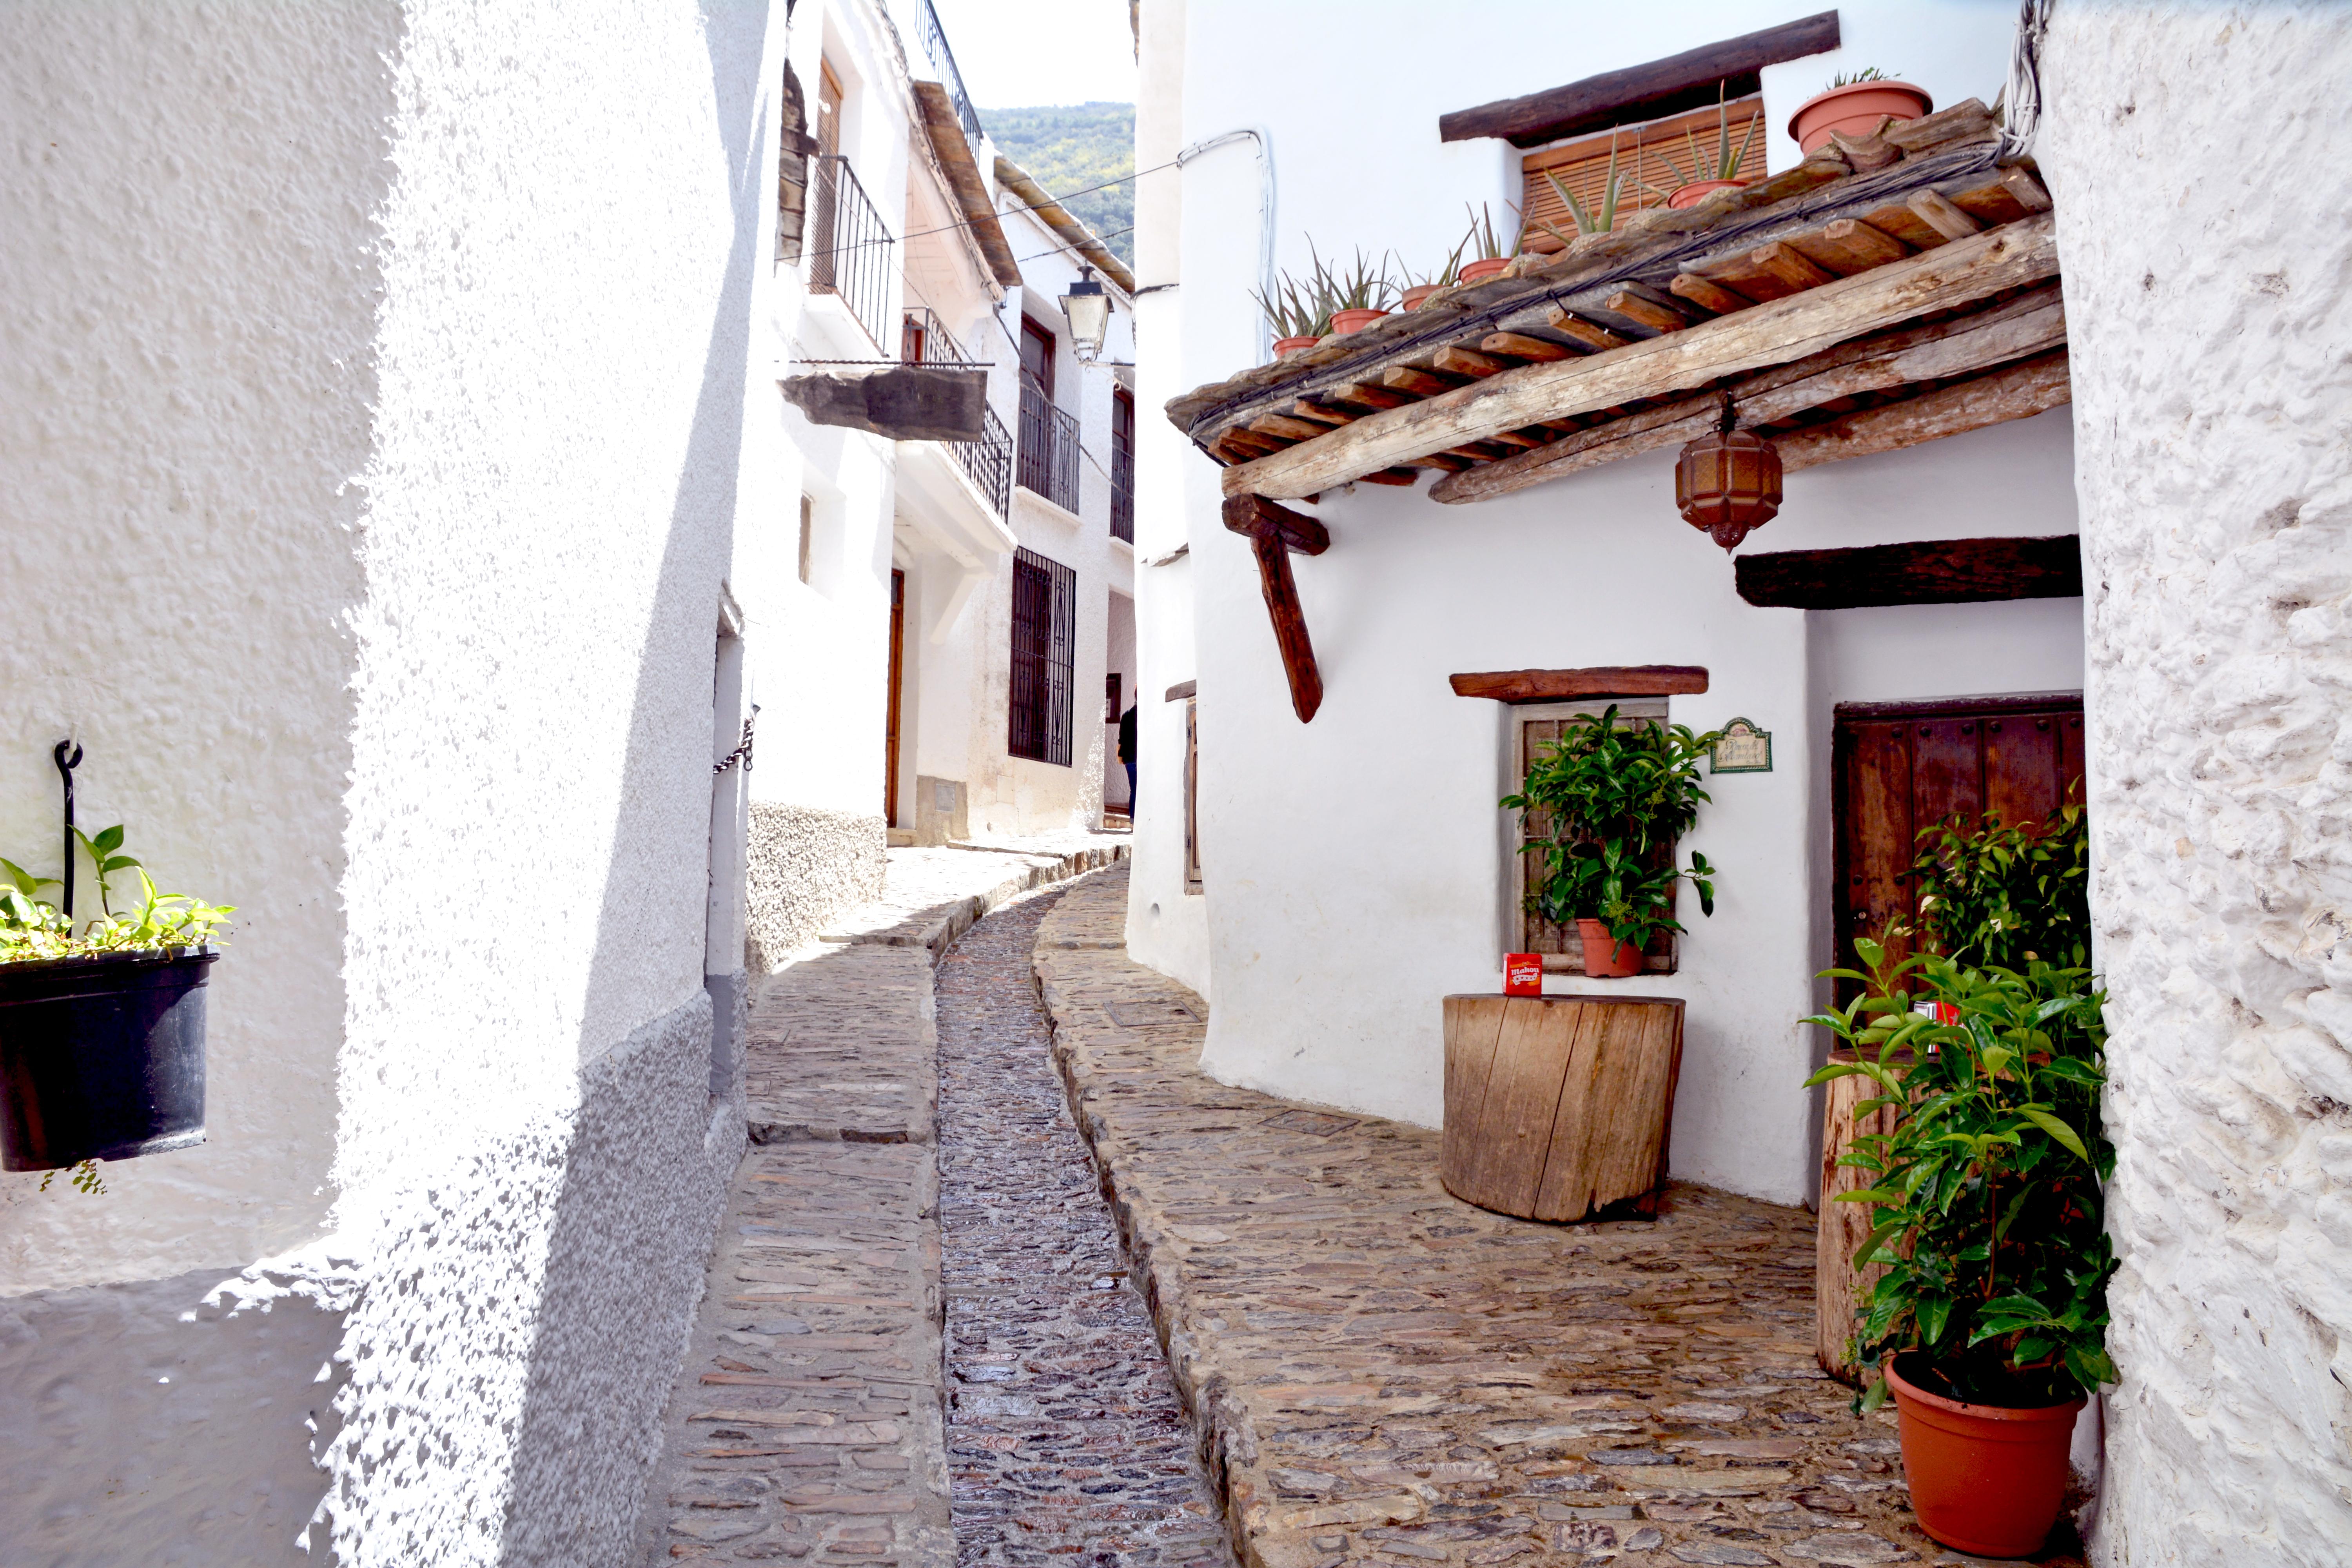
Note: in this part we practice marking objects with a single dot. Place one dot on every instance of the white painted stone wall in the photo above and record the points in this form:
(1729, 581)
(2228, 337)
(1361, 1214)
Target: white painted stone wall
(387, 369)
(1355, 867)
(2198, 157)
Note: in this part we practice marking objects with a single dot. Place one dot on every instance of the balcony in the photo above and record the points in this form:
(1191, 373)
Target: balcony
(942, 58)
(849, 249)
(1048, 461)
(987, 462)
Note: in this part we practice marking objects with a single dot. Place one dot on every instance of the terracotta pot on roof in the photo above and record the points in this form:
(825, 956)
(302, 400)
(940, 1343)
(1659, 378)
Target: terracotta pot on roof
(1292, 346)
(1354, 321)
(1855, 109)
(1697, 191)
(1418, 294)
(1484, 268)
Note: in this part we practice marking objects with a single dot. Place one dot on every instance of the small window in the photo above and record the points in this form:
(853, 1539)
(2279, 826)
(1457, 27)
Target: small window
(1534, 727)
(1111, 710)
(1044, 620)
(1652, 159)
(808, 531)
(1037, 355)
(1193, 796)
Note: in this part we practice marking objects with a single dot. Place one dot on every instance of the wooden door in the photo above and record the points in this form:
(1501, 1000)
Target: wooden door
(1902, 768)
(890, 724)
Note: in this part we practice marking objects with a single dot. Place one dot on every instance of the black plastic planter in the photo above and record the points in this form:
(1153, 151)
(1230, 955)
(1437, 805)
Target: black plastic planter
(101, 1058)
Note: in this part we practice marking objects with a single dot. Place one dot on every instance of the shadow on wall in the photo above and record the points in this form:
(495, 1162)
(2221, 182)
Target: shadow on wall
(640, 1201)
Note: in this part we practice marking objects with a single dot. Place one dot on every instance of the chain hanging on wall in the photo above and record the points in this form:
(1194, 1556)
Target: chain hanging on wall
(742, 753)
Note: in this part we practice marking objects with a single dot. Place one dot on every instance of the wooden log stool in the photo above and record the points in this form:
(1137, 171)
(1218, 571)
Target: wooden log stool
(1840, 1229)
(1557, 1107)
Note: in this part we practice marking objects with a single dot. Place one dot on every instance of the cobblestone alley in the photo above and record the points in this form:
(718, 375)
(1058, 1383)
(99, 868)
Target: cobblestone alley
(1064, 1438)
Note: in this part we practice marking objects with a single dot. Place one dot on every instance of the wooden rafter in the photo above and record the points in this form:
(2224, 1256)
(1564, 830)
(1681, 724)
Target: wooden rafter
(1808, 322)
(2016, 391)
(1517, 686)
(1930, 572)
(1274, 532)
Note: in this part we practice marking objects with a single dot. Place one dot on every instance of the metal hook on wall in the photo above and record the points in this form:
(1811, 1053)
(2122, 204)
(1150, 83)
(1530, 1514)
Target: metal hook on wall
(66, 766)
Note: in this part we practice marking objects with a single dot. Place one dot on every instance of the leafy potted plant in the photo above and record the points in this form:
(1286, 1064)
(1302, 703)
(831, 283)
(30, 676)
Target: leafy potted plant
(102, 1025)
(1604, 806)
(1587, 221)
(1296, 313)
(1491, 258)
(1710, 173)
(1355, 298)
(1852, 105)
(1419, 286)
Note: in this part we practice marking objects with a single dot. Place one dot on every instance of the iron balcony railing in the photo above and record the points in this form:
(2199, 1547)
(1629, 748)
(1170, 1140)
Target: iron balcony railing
(849, 248)
(1049, 447)
(987, 462)
(935, 45)
(1122, 491)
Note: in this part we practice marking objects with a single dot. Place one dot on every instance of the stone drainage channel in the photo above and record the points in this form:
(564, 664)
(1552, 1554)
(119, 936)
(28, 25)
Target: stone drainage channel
(1064, 1438)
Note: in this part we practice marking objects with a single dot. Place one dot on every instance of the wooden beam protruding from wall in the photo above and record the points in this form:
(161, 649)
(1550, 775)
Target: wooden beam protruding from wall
(1687, 80)
(1275, 532)
(1933, 572)
(1568, 685)
(2014, 256)
(2017, 390)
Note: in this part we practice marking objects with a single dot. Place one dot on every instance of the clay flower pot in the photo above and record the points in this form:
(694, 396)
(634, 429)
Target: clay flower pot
(1604, 959)
(1984, 1480)
(1416, 295)
(1697, 191)
(1855, 110)
(1292, 346)
(1355, 321)
(1484, 268)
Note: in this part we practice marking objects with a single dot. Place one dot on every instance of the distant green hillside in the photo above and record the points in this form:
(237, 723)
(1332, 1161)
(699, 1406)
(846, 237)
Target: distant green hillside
(1069, 147)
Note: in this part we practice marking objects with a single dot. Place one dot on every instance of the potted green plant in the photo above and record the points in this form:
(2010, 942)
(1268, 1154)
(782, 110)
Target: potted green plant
(1490, 256)
(1355, 298)
(1612, 194)
(101, 1023)
(1296, 313)
(1603, 806)
(1854, 105)
(1709, 172)
(1419, 286)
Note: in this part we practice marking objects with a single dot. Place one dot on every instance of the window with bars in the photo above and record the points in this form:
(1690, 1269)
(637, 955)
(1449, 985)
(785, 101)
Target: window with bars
(1536, 728)
(1044, 648)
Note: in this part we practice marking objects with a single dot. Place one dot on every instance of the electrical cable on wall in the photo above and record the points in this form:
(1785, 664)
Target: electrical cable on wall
(2020, 96)
(1265, 211)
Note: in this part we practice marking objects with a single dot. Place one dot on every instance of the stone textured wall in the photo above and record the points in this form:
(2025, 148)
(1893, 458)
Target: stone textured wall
(809, 864)
(2197, 155)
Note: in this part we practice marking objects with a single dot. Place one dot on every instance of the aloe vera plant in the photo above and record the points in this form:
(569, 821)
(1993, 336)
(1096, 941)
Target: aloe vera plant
(1613, 193)
(1727, 160)
(1486, 240)
(1295, 308)
(1360, 287)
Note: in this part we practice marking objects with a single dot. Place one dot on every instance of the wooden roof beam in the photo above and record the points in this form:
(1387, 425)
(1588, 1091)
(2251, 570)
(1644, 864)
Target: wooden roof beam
(2016, 391)
(1273, 531)
(2011, 256)
(1517, 685)
(1930, 572)
(2032, 322)
(1686, 81)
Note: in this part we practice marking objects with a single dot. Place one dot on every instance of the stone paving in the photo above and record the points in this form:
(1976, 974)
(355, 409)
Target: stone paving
(1383, 1373)
(1065, 1440)
(807, 1423)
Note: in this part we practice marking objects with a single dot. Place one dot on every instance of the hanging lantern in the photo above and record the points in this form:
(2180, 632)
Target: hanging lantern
(1729, 483)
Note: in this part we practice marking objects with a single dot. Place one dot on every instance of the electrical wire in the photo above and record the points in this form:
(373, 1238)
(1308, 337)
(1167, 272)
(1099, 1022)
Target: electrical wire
(1024, 206)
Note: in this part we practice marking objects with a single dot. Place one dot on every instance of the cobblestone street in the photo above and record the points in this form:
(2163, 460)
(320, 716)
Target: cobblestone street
(1064, 1438)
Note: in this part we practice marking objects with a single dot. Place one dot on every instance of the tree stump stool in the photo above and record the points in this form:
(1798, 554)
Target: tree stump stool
(1841, 1228)
(1559, 1106)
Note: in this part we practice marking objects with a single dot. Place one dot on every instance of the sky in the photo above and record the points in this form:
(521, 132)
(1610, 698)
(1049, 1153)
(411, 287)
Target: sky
(1041, 51)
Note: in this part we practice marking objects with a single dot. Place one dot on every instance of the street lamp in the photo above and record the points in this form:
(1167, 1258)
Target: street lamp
(1088, 310)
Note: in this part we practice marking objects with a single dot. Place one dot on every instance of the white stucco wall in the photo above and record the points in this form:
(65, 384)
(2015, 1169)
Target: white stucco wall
(1354, 865)
(391, 364)
(2196, 154)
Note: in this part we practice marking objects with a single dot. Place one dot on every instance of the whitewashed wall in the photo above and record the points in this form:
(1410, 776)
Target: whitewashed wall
(391, 363)
(2197, 155)
(1354, 865)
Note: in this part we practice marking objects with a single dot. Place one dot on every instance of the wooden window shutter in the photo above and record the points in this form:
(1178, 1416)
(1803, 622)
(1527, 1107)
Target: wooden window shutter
(1642, 155)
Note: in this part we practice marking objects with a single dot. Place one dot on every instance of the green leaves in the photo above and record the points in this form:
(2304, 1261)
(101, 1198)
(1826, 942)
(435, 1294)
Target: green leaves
(30, 928)
(1984, 1197)
(1603, 808)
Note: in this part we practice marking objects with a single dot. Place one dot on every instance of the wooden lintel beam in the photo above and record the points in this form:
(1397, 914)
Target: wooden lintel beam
(1932, 572)
(2033, 322)
(1691, 80)
(1567, 685)
(1953, 275)
(2016, 391)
